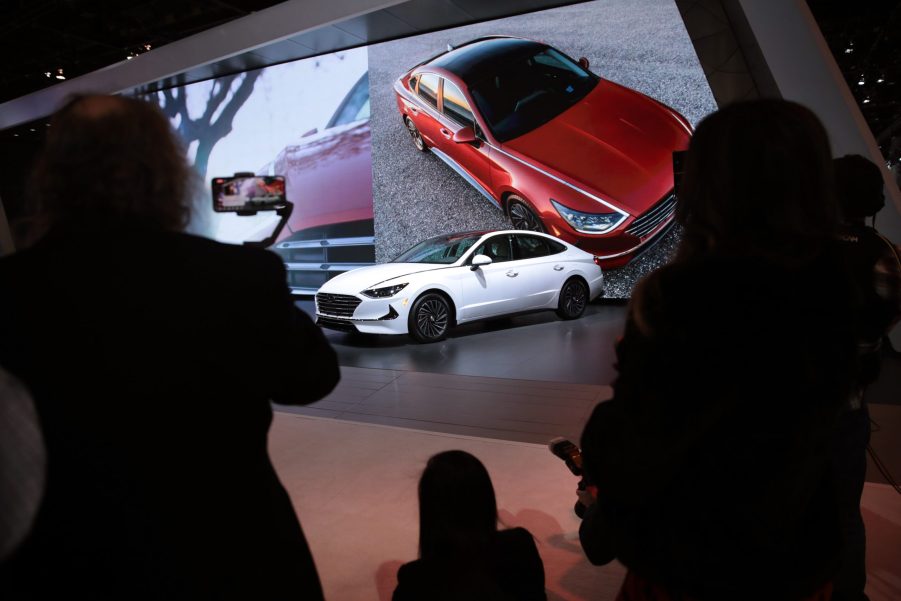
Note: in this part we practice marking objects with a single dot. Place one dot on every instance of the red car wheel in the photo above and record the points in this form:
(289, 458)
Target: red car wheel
(521, 215)
(414, 133)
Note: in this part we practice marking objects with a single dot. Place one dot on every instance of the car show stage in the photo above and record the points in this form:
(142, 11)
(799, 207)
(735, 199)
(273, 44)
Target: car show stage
(534, 346)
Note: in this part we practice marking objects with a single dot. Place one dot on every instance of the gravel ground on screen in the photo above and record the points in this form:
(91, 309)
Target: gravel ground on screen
(640, 44)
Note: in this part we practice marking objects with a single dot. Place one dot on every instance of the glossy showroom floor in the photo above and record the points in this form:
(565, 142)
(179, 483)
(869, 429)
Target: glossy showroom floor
(499, 390)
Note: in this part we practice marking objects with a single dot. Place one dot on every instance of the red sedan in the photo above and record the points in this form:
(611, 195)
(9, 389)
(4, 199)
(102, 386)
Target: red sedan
(557, 148)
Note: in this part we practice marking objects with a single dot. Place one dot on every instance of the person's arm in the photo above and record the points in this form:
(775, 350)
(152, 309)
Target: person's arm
(300, 364)
(887, 280)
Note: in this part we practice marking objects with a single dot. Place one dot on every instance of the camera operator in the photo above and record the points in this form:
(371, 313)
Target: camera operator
(152, 356)
(712, 459)
(875, 264)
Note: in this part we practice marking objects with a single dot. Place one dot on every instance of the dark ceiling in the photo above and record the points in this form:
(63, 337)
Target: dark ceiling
(38, 37)
(80, 36)
(865, 39)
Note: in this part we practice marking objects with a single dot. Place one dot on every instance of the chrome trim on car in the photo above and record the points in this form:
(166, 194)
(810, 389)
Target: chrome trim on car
(562, 181)
(423, 106)
(323, 266)
(646, 223)
(318, 243)
(651, 238)
(462, 173)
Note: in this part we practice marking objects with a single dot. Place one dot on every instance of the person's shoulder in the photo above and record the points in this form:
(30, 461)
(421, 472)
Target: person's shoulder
(515, 535)
(515, 540)
(248, 260)
(411, 571)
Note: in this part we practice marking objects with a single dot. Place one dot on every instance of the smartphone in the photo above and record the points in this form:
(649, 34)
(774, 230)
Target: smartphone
(248, 193)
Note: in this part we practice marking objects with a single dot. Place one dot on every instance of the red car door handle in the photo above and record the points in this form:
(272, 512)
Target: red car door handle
(414, 110)
(445, 133)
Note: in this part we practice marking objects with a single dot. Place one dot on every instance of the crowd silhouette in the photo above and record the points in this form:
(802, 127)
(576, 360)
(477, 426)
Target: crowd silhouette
(729, 463)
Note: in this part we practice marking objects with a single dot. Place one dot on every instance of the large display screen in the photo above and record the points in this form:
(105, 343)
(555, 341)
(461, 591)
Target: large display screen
(563, 120)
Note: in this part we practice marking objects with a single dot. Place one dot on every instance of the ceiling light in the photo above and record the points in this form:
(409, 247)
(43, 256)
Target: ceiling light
(860, 81)
(866, 101)
(59, 74)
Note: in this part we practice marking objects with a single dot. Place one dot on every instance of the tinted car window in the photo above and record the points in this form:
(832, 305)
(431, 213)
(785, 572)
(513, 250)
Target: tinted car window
(428, 88)
(355, 106)
(496, 248)
(455, 105)
(531, 247)
(441, 249)
(528, 91)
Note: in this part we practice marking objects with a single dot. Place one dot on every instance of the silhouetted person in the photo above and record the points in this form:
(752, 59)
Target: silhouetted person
(875, 264)
(152, 356)
(712, 460)
(23, 460)
(462, 554)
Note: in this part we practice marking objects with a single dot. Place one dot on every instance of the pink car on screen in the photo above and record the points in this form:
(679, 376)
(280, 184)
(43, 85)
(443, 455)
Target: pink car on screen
(328, 177)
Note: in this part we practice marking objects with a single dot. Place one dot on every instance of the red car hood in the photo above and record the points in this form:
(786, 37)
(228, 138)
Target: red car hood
(615, 143)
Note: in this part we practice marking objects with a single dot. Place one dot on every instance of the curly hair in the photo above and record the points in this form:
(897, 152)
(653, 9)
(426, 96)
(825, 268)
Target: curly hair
(114, 158)
(758, 181)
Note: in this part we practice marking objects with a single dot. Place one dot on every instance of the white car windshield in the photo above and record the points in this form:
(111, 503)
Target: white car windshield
(442, 250)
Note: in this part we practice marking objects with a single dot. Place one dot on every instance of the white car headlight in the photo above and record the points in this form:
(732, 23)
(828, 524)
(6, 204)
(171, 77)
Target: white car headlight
(589, 223)
(384, 292)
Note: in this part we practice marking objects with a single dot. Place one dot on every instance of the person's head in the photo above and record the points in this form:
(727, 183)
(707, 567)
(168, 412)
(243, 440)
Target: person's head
(758, 182)
(859, 186)
(457, 508)
(112, 157)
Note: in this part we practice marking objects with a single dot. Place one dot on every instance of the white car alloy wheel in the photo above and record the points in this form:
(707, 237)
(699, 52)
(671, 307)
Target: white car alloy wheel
(430, 318)
(573, 298)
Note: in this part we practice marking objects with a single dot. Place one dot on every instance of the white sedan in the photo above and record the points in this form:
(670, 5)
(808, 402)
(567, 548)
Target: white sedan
(458, 278)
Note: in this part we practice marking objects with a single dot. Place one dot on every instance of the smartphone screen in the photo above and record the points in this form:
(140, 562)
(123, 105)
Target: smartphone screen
(256, 193)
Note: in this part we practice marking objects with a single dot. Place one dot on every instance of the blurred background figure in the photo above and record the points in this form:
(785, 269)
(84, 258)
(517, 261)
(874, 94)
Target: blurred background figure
(712, 460)
(462, 554)
(22, 463)
(875, 264)
(152, 356)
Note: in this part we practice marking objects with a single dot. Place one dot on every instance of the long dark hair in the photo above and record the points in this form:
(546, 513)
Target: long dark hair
(457, 507)
(758, 182)
(111, 157)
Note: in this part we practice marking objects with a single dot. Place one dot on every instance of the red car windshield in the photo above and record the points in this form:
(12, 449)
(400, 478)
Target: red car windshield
(528, 91)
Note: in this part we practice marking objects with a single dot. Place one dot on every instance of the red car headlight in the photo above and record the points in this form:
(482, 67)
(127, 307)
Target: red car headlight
(589, 223)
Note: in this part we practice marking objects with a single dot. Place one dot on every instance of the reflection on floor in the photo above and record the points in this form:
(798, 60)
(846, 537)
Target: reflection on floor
(521, 410)
(537, 346)
(494, 389)
(354, 487)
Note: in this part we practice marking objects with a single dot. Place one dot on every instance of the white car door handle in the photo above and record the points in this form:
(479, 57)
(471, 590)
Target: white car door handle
(558, 267)
(512, 274)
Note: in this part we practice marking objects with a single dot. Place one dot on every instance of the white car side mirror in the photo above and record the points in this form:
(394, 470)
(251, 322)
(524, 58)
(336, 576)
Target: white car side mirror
(480, 260)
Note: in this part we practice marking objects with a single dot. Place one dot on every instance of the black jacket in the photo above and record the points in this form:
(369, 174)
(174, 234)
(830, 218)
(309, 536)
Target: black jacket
(152, 358)
(712, 459)
(509, 570)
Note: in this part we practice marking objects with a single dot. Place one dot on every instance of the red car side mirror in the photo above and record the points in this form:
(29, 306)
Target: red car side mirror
(465, 135)
(583, 62)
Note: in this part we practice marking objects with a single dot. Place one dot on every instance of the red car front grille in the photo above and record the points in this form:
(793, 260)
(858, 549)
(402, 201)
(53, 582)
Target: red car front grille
(656, 215)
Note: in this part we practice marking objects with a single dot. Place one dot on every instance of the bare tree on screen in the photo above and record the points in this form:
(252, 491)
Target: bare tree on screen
(226, 97)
